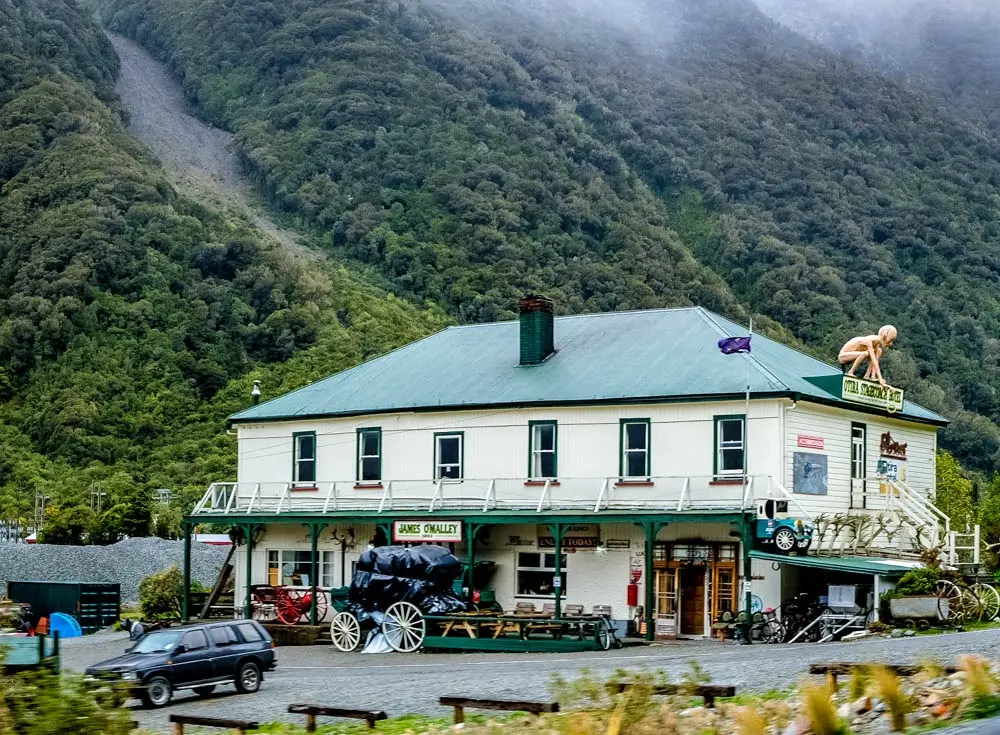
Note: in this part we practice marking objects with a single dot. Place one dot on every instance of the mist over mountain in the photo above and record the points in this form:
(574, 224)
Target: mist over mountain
(950, 47)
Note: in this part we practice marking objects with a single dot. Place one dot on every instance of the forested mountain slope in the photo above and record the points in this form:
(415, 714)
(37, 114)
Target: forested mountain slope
(129, 314)
(476, 150)
(951, 48)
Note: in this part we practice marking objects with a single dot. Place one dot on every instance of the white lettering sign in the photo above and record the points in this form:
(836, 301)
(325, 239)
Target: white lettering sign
(437, 531)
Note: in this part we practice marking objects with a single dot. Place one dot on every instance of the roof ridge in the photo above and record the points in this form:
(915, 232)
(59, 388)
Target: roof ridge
(709, 317)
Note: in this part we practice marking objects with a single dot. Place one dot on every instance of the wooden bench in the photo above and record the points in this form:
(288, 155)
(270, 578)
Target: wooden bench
(833, 669)
(241, 726)
(460, 703)
(707, 692)
(312, 711)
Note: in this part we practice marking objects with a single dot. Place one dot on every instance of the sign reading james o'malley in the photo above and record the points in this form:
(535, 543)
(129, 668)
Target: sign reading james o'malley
(440, 532)
(871, 393)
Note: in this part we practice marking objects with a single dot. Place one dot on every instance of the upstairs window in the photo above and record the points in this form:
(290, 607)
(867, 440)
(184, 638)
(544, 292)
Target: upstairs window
(729, 446)
(448, 455)
(304, 462)
(369, 455)
(634, 460)
(542, 439)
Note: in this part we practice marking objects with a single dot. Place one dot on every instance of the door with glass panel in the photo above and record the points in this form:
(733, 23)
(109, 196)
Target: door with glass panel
(859, 455)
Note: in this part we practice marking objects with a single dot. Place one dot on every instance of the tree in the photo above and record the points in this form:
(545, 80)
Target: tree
(954, 491)
(68, 525)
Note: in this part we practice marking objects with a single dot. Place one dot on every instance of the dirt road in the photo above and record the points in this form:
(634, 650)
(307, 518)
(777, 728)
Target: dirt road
(199, 159)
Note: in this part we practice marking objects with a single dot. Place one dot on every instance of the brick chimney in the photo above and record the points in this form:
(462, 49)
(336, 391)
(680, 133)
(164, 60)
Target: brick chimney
(537, 335)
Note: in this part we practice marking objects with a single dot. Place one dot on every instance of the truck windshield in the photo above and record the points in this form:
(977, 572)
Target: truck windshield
(158, 642)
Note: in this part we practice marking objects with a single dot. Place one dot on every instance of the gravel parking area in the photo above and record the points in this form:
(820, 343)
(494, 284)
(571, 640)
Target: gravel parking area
(411, 683)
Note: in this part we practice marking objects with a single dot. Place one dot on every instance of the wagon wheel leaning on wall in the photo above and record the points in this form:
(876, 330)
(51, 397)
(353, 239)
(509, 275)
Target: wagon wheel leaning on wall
(345, 632)
(989, 598)
(404, 627)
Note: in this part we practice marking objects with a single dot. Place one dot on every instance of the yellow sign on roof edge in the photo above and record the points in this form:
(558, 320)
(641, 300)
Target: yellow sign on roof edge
(871, 393)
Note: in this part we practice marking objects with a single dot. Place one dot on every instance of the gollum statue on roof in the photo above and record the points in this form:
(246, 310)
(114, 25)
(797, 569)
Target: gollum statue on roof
(871, 348)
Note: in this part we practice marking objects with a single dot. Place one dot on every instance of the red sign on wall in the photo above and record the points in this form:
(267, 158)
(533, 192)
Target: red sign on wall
(812, 442)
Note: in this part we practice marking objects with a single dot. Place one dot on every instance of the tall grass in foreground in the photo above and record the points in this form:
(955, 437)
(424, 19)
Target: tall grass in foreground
(891, 691)
(818, 708)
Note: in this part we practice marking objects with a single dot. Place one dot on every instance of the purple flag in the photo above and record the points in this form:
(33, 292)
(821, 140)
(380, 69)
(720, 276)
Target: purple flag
(731, 345)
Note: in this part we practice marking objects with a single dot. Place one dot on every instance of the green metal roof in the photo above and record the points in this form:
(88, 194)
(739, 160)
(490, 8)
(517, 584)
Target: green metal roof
(617, 357)
(854, 564)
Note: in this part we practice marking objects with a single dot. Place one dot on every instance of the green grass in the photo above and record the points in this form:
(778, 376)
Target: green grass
(743, 700)
(392, 726)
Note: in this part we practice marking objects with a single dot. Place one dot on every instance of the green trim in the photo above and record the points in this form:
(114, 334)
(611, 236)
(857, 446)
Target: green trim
(555, 447)
(461, 454)
(635, 401)
(489, 518)
(357, 461)
(852, 564)
(715, 441)
(621, 446)
(295, 456)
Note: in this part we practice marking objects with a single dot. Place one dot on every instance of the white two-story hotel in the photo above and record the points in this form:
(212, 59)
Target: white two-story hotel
(611, 459)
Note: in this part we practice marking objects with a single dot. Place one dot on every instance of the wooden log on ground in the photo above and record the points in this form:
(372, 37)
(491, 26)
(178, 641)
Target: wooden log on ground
(312, 711)
(507, 705)
(241, 726)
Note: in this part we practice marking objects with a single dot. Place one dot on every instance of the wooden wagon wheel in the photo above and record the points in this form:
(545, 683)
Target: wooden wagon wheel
(602, 634)
(322, 605)
(289, 607)
(989, 598)
(972, 605)
(951, 605)
(345, 632)
(404, 627)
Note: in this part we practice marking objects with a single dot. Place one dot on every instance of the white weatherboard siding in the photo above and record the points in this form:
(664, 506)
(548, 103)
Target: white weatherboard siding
(496, 442)
(833, 425)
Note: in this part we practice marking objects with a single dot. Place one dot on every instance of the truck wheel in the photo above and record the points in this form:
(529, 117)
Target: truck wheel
(784, 540)
(248, 678)
(156, 692)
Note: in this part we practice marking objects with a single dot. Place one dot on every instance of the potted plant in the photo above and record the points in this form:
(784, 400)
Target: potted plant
(915, 595)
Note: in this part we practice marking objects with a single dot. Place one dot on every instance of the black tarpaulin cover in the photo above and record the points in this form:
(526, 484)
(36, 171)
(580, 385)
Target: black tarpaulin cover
(422, 575)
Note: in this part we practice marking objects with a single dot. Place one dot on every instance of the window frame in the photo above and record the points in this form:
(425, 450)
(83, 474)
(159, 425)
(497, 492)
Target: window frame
(460, 435)
(532, 425)
(324, 566)
(550, 570)
(717, 473)
(359, 467)
(622, 464)
(863, 444)
(192, 634)
(295, 459)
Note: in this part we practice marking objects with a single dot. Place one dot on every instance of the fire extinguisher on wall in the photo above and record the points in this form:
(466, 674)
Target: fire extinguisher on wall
(632, 595)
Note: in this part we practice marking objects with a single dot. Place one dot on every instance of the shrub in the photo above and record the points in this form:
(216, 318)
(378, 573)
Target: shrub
(41, 702)
(160, 594)
(917, 582)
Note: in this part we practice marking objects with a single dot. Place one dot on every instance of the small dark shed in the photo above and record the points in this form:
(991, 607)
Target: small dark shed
(95, 605)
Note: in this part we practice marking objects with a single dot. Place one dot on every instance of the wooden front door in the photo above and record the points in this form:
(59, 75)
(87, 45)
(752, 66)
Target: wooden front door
(693, 600)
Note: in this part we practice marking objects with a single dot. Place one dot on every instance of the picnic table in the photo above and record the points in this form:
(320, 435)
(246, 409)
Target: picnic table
(522, 625)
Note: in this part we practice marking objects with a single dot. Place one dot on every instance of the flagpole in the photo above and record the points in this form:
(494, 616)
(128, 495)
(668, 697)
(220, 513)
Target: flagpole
(748, 595)
(746, 420)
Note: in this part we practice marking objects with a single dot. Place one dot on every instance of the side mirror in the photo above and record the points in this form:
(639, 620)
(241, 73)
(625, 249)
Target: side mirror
(180, 649)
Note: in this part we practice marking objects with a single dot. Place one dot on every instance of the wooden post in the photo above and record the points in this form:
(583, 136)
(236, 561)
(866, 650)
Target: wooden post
(247, 607)
(557, 577)
(178, 728)
(185, 611)
(471, 556)
(650, 529)
(310, 723)
(459, 715)
(747, 542)
(313, 569)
